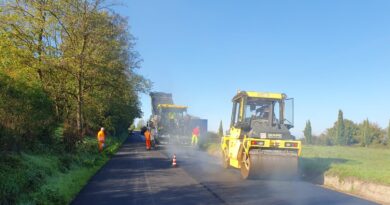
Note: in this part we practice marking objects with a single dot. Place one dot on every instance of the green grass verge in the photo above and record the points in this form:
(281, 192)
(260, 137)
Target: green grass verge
(52, 177)
(367, 164)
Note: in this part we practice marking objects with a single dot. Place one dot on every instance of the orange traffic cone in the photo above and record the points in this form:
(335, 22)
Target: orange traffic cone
(174, 164)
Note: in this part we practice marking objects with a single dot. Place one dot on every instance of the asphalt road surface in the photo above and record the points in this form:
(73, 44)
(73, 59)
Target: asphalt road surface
(137, 176)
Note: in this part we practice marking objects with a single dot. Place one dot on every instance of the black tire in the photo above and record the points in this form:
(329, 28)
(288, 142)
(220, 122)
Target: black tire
(246, 166)
(225, 159)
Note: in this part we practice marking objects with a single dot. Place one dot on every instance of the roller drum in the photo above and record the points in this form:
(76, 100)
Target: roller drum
(269, 165)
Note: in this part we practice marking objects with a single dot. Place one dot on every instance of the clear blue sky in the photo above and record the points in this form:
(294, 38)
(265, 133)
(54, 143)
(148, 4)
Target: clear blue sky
(328, 55)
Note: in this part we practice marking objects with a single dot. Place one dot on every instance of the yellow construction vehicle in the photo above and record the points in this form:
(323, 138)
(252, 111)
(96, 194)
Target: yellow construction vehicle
(170, 123)
(259, 141)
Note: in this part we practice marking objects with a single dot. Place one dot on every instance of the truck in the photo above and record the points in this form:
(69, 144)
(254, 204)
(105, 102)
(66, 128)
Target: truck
(170, 123)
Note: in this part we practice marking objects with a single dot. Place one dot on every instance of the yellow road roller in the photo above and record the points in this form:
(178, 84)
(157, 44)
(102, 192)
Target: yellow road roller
(259, 142)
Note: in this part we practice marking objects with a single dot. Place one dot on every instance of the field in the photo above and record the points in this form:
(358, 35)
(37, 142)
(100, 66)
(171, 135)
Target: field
(367, 164)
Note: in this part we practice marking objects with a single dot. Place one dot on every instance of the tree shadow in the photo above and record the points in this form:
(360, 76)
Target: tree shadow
(314, 169)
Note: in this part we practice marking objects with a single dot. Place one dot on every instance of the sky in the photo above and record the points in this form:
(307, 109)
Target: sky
(326, 54)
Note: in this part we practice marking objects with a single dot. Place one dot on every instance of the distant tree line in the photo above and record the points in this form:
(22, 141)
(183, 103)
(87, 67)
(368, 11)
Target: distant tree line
(346, 132)
(69, 63)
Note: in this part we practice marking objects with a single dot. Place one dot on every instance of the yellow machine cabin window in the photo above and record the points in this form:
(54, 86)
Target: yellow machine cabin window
(236, 113)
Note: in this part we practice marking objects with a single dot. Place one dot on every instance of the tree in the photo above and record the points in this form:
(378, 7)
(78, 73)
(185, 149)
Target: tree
(388, 133)
(340, 132)
(140, 124)
(220, 129)
(325, 139)
(82, 56)
(365, 133)
(33, 30)
(371, 133)
(329, 137)
(104, 65)
(308, 133)
(132, 127)
(26, 115)
(350, 129)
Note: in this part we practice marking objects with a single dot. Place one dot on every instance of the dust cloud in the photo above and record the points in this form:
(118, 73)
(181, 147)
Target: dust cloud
(208, 170)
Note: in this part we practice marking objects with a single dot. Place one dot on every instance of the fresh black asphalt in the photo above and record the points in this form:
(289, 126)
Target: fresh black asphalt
(137, 176)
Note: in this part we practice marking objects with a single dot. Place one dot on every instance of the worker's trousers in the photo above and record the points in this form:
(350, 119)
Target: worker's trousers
(148, 144)
(101, 146)
(194, 140)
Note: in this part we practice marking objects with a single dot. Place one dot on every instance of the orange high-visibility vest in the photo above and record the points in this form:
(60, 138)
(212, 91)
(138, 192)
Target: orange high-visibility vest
(147, 135)
(101, 136)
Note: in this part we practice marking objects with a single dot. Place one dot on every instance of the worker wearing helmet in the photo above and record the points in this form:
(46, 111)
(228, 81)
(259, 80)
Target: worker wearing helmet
(147, 139)
(101, 137)
(195, 135)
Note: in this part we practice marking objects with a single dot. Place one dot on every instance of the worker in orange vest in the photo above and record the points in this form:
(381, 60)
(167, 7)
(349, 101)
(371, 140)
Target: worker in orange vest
(195, 135)
(147, 139)
(101, 137)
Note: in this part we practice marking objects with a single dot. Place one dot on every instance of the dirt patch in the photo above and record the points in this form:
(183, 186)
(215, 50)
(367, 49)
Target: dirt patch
(369, 190)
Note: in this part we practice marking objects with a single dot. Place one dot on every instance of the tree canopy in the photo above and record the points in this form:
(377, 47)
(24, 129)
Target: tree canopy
(340, 132)
(78, 58)
(365, 134)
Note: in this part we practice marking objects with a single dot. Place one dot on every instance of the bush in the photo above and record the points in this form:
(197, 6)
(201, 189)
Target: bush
(20, 174)
(49, 195)
(10, 179)
(70, 136)
(26, 115)
(52, 177)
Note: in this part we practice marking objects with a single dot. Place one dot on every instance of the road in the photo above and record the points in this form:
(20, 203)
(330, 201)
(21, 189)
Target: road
(137, 176)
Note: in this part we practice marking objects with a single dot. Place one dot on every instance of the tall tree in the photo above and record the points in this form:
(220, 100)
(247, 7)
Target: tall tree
(81, 54)
(308, 133)
(31, 29)
(340, 133)
(388, 133)
(350, 130)
(366, 133)
(220, 129)
(99, 60)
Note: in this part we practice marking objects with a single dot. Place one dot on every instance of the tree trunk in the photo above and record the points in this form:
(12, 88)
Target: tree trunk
(80, 102)
(40, 41)
(80, 93)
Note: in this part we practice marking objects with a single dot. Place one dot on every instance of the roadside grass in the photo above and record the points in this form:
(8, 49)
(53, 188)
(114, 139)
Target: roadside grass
(210, 144)
(366, 164)
(213, 148)
(51, 177)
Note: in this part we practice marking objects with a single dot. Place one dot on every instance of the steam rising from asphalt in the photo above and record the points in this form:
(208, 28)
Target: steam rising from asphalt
(271, 191)
(193, 157)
